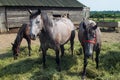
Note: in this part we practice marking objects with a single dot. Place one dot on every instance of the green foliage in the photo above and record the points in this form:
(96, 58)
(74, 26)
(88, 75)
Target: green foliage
(30, 68)
(106, 16)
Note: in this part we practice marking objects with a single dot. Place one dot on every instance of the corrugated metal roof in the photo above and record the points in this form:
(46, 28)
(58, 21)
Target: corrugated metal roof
(44, 3)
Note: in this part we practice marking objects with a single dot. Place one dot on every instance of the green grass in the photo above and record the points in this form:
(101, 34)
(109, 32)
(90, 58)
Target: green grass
(30, 68)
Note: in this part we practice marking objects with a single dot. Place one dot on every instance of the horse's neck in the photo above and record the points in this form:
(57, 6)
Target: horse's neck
(46, 37)
(18, 41)
(48, 24)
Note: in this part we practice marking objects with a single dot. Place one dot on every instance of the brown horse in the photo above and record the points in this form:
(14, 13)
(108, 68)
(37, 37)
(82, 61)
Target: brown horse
(89, 37)
(22, 33)
(53, 33)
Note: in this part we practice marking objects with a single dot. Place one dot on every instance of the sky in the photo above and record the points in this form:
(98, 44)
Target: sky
(101, 5)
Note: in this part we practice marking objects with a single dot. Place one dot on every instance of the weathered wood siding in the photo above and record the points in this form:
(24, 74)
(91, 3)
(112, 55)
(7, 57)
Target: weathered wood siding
(16, 17)
(75, 15)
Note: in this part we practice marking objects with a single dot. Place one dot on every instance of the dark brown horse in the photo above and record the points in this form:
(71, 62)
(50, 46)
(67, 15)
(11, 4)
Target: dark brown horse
(53, 33)
(89, 37)
(22, 33)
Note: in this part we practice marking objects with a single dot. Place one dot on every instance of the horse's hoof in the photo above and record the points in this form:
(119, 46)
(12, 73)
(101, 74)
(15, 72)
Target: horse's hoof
(44, 66)
(15, 57)
(59, 69)
(62, 56)
(83, 77)
(72, 55)
(29, 54)
(97, 67)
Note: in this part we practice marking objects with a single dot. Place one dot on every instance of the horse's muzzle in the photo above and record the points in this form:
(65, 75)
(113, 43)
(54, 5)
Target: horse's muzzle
(32, 36)
(15, 57)
(88, 55)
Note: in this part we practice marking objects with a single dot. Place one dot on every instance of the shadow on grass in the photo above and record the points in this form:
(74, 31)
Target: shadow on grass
(51, 72)
(19, 67)
(9, 53)
(29, 64)
(111, 61)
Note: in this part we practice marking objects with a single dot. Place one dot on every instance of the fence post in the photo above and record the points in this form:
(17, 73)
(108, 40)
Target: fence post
(6, 22)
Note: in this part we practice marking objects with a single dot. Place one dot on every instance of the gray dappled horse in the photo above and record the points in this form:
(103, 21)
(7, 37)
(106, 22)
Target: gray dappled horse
(89, 37)
(53, 33)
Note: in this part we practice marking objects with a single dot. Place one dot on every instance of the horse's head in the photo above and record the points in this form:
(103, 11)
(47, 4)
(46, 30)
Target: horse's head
(36, 24)
(15, 50)
(89, 38)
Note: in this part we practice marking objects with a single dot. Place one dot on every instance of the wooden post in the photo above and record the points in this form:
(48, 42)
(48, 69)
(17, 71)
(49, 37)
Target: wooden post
(6, 22)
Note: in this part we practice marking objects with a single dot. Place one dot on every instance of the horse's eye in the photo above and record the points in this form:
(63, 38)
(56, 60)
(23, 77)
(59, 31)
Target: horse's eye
(37, 22)
(93, 35)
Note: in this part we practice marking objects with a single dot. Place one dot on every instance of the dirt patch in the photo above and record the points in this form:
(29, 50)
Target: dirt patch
(7, 39)
(111, 37)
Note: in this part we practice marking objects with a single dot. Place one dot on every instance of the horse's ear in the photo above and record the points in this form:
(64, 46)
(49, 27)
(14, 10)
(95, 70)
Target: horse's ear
(39, 11)
(95, 27)
(84, 25)
(30, 11)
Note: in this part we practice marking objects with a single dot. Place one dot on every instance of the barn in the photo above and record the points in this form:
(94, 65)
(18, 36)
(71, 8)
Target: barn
(13, 13)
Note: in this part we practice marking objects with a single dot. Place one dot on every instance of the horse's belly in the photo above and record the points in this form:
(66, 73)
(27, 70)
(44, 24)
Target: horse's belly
(62, 36)
(64, 39)
(62, 32)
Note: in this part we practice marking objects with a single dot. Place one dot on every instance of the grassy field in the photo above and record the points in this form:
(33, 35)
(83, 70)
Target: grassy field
(30, 68)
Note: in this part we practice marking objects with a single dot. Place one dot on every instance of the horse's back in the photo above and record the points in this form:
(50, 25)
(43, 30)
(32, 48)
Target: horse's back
(67, 23)
(62, 30)
(24, 29)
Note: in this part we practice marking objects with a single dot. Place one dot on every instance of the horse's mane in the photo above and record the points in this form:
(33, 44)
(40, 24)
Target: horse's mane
(46, 20)
(34, 14)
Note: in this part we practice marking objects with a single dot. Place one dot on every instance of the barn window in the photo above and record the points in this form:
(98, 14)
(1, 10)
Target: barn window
(56, 15)
(62, 15)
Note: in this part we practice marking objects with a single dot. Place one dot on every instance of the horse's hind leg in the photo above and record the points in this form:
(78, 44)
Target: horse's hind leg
(44, 57)
(97, 58)
(62, 50)
(72, 41)
(58, 61)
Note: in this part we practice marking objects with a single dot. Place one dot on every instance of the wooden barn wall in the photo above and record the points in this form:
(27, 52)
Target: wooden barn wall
(75, 15)
(16, 17)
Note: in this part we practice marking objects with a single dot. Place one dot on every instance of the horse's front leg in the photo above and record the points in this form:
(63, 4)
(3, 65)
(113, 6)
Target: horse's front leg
(29, 45)
(85, 65)
(44, 57)
(97, 58)
(58, 59)
(84, 68)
